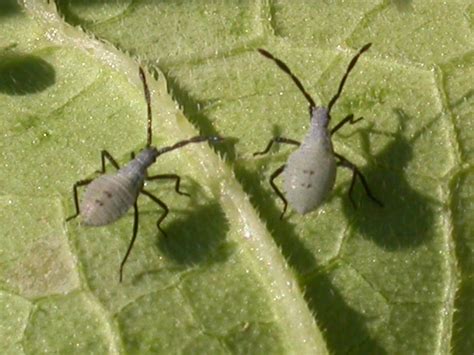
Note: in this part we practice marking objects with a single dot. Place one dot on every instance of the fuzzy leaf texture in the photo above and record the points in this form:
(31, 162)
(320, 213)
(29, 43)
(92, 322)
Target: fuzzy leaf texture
(231, 277)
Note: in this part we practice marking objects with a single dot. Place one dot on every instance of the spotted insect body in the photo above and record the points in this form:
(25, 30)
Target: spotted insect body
(110, 196)
(106, 199)
(310, 172)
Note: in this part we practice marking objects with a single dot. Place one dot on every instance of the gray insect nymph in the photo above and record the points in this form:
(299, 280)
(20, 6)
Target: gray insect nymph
(109, 197)
(310, 171)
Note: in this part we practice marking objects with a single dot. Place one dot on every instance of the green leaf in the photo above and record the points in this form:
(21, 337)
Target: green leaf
(231, 277)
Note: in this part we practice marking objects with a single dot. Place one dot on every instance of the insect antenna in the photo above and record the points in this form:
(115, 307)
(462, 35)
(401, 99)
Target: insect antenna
(148, 105)
(293, 77)
(197, 139)
(348, 70)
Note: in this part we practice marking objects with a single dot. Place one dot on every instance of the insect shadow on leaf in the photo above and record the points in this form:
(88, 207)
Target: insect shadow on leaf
(199, 236)
(409, 219)
(23, 74)
(9, 7)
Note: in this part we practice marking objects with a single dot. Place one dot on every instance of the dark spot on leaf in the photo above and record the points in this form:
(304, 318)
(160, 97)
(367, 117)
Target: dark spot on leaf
(23, 74)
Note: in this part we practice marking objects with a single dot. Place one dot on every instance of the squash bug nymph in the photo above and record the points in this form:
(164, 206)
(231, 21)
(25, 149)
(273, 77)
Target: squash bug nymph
(108, 197)
(310, 171)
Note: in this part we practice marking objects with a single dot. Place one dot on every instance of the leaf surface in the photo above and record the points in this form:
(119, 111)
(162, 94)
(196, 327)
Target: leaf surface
(231, 277)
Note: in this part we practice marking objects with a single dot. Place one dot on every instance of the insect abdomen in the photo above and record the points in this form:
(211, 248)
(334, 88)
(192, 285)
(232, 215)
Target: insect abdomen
(108, 198)
(308, 177)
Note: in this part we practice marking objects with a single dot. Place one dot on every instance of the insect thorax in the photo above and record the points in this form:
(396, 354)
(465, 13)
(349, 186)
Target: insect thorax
(318, 134)
(137, 167)
(147, 156)
(320, 117)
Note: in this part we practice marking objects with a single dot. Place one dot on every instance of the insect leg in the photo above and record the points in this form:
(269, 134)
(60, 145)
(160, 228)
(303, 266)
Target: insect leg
(76, 200)
(106, 155)
(277, 140)
(349, 119)
(162, 205)
(356, 172)
(134, 236)
(175, 177)
(274, 175)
